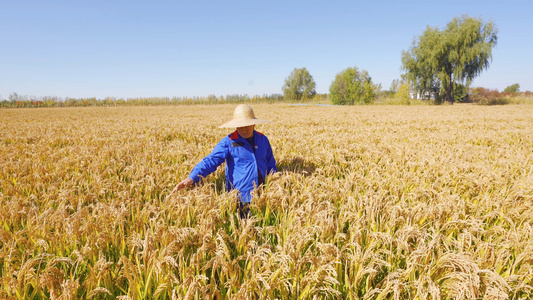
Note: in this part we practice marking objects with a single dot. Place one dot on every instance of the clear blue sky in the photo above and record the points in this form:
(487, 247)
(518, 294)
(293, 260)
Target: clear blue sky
(97, 48)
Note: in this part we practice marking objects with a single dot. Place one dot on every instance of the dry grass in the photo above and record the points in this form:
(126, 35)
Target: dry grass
(379, 202)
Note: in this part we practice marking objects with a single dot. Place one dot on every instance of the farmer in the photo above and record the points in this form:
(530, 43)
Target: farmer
(248, 156)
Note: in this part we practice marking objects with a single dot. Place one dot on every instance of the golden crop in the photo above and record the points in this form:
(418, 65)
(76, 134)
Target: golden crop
(373, 202)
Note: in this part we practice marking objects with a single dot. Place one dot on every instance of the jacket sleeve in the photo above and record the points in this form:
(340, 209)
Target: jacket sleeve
(211, 162)
(271, 161)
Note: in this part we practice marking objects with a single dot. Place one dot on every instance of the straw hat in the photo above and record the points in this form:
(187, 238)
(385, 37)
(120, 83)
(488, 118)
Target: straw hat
(243, 116)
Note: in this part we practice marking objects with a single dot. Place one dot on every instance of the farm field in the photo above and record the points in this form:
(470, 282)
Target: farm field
(370, 202)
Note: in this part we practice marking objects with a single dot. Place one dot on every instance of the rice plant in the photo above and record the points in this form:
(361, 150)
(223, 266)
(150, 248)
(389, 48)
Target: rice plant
(378, 202)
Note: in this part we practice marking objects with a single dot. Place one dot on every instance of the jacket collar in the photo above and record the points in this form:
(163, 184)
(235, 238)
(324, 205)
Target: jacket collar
(235, 135)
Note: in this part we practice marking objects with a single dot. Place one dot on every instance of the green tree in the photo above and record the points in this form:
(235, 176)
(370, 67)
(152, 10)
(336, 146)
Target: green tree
(402, 94)
(514, 88)
(439, 60)
(395, 85)
(352, 86)
(300, 85)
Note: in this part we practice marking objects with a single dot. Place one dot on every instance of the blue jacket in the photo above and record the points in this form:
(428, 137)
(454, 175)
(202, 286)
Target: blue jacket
(241, 163)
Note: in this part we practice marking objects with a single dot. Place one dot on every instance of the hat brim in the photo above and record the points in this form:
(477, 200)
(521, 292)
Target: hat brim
(242, 123)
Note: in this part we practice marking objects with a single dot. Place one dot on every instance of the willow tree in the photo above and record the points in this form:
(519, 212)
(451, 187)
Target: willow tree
(300, 85)
(441, 59)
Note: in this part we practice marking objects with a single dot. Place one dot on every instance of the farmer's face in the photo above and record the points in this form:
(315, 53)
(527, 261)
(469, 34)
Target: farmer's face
(246, 132)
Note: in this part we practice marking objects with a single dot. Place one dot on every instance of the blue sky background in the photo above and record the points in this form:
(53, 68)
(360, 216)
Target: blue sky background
(71, 48)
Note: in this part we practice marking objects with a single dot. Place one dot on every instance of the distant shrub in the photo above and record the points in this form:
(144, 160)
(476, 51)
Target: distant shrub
(484, 96)
(402, 95)
(515, 88)
(522, 98)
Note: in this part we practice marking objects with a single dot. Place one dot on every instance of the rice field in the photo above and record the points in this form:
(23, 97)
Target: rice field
(370, 202)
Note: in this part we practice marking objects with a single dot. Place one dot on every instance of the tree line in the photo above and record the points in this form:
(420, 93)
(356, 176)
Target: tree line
(21, 101)
(439, 67)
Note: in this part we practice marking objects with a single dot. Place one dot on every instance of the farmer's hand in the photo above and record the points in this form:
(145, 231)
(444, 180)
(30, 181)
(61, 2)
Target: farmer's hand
(183, 184)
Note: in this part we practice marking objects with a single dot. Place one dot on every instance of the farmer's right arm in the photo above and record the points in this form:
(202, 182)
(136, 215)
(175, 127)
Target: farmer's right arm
(207, 166)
